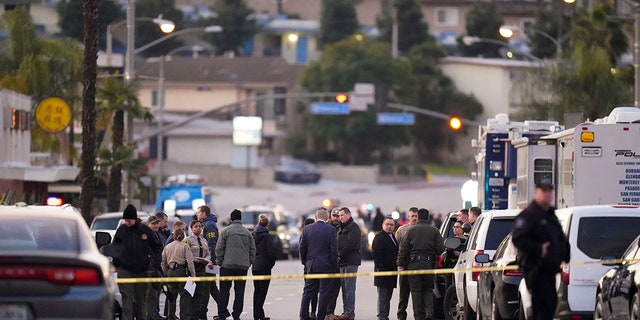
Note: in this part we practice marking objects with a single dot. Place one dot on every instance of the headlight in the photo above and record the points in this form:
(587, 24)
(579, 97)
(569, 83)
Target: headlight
(370, 237)
(288, 237)
(281, 236)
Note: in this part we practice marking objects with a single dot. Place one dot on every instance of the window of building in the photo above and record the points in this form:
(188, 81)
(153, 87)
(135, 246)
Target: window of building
(446, 16)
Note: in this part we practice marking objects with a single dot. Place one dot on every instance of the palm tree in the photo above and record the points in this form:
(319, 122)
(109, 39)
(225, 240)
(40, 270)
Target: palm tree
(117, 97)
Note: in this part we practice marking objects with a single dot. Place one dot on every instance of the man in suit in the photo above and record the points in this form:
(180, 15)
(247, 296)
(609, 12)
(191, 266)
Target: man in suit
(319, 254)
(385, 252)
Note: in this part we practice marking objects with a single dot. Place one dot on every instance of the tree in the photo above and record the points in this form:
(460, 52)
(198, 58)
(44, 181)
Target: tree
(89, 75)
(148, 32)
(338, 21)
(436, 92)
(357, 138)
(71, 18)
(412, 30)
(117, 97)
(483, 21)
(237, 23)
(552, 22)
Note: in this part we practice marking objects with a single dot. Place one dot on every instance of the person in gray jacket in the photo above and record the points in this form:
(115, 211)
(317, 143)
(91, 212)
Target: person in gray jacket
(235, 253)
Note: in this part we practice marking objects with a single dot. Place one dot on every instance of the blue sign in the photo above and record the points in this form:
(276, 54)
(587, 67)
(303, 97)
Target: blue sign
(330, 108)
(398, 119)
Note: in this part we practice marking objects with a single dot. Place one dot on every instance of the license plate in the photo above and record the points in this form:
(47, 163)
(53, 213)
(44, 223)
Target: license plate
(14, 312)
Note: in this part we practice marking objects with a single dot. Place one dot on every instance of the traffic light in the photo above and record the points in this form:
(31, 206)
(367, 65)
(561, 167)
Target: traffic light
(342, 98)
(455, 123)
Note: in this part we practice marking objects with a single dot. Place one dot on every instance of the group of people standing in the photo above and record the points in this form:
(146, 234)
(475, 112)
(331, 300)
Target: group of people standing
(150, 250)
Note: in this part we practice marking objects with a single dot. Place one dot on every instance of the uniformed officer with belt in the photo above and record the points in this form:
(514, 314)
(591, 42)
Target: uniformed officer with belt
(176, 260)
(202, 258)
(418, 251)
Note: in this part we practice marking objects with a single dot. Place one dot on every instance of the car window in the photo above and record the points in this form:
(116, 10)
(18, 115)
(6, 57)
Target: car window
(40, 234)
(606, 236)
(501, 248)
(498, 229)
(474, 233)
(631, 251)
(105, 223)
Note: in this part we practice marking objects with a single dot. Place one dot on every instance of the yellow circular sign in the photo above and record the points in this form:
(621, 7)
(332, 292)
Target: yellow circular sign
(53, 115)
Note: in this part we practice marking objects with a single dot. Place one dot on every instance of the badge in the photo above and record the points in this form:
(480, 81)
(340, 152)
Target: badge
(144, 236)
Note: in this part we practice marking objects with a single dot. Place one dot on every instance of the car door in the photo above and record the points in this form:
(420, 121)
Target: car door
(621, 284)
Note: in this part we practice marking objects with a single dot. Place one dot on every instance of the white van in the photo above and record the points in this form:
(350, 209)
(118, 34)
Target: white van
(593, 232)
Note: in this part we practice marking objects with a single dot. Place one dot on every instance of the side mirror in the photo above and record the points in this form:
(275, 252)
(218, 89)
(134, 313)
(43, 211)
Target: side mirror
(452, 243)
(102, 239)
(466, 227)
(482, 258)
(609, 261)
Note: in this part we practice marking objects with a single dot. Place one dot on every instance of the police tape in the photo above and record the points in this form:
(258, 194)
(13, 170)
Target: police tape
(608, 262)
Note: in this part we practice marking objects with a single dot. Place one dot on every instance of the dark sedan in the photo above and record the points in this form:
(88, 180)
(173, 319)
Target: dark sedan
(297, 171)
(499, 299)
(51, 267)
(617, 293)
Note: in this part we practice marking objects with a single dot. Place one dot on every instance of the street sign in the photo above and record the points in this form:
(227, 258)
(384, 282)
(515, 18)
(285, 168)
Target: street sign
(330, 108)
(396, 119)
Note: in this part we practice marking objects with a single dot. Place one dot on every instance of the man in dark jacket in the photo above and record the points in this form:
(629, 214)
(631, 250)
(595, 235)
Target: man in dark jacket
(385, 252)
(349, 259)
(209, 223)
(318, 254)
(419, 249)
(138, 243)
(265, 260)
(542, 246)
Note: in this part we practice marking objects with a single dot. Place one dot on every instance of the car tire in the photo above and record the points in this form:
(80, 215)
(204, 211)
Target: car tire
(634, 310)
(495, 312)
(598, 312)
(450, 304)
(522, 314)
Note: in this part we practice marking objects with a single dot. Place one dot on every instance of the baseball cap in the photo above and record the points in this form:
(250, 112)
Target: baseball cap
(153, 219)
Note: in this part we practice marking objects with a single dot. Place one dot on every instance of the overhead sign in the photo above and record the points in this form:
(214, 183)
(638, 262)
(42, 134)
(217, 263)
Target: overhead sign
(247, 131)
(396, 119)
(330, 108)
(53, 115)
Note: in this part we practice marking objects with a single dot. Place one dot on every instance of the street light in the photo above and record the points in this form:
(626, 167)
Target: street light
(166, 26)
(508, 31)
(469, 40)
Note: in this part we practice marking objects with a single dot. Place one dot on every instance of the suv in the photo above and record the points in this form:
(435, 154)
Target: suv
(110, 221)
(593, 232)
(486, 234)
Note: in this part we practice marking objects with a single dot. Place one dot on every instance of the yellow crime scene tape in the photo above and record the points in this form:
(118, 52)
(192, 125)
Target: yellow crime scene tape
(350, 275)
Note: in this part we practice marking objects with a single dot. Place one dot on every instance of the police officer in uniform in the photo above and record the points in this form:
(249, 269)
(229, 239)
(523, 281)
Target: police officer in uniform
(418, 251)
(202, 259)
(542, 246)
(176, 260)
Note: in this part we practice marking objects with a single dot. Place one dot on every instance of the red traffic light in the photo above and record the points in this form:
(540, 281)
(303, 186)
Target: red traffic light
(455, 123)
(342, 98)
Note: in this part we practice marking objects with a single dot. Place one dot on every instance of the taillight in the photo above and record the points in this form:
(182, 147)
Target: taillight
(81, 276)
(476, 274)
(513, 273)
(564, 275)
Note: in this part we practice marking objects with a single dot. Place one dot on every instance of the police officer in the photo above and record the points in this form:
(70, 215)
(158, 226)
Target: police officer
(418, 251)
(176, 260)
(202, 259)
(542, 246)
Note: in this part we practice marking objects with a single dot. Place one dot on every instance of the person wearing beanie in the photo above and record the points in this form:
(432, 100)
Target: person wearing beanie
(139, 244)
(235, 253)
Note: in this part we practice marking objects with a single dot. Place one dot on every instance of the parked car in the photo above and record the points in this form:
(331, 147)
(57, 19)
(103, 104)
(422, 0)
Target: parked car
(498, 298)
(110, 221)
(617, 295)
(487, 233)
(593, 232)
(52, 265)
(297, 171)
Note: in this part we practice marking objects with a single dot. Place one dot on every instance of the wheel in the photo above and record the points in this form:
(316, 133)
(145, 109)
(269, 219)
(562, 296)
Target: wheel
(495, 313)
(450, 304)
(522, 314)
(598, 313)
(634, 311)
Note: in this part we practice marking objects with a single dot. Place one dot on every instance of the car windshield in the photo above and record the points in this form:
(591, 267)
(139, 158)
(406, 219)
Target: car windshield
(498, 229)
(606, 236)
(39, 234)
(105, 223)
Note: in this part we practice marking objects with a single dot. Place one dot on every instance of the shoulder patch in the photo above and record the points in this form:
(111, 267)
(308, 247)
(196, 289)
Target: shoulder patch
(144, 236)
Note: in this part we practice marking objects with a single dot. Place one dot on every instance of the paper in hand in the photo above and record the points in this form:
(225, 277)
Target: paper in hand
(213, 270)
(190, 286)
